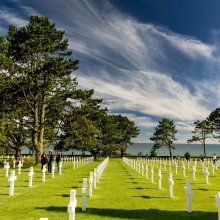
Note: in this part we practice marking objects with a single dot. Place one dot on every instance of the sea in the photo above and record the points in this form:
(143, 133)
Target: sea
(144, 149)
(180, 149)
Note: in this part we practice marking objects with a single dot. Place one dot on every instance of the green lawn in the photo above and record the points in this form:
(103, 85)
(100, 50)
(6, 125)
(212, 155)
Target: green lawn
(122, 193)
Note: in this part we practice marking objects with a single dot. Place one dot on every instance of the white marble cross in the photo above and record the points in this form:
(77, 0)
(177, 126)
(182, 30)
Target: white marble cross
(171, 184)
(217, 203)
(90, 184)
(159, 178)
(74, 163)
(30, 174)
(152, 175)
(72, 204)
(53, 170)
(203, 167)
(44, 173)
(146, 172)
(12, 179)
(139, 167)
(194, 172)
(94, 179)
(60, 167)
(142, 169)
(14, 163)
(77, 163)
(189, 193)
(5, 163)
(176, 166)
(19, 167)
(84, 194)
(206, 175)
(213, 169)
(165, 166)
(7, 166)
(184, 169)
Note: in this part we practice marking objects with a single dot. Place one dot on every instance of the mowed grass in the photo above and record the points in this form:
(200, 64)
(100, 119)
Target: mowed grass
(122, 193)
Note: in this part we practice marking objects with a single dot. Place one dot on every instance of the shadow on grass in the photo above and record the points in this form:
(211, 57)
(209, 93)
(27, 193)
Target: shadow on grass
(152, 197)
(54, 208)
(151, 214)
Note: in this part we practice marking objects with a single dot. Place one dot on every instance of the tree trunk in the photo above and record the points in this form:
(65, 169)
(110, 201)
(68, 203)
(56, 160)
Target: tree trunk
(18, 151)
(204, 149)
(35, 133)
(170, 152)
(41, 126)
(122, 153)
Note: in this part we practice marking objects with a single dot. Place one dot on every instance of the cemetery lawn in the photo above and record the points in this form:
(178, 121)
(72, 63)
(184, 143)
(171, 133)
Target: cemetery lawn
(122, 193)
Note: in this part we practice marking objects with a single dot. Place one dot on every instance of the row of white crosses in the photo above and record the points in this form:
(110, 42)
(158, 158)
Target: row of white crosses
(30, 175)
(187, 188)
(12, 178)
(77, 161)
(139, 164)
(158, 163)
(93, 179)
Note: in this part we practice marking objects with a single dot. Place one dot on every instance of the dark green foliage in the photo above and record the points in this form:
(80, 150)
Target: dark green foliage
(39, 78)
(164, 134)
(202, 131)
(88, 127)
(214, 122)
(153, 151)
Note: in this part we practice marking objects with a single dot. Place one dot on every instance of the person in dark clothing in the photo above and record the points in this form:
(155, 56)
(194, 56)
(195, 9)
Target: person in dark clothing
(187, 156)
(58, 160)
(43, 160)
(49, 160)
(201, 158)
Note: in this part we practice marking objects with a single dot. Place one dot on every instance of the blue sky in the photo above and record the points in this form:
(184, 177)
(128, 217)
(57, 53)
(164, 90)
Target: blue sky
(147, 59)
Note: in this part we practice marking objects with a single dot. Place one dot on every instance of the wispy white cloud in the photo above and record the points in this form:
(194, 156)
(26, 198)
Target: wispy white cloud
(134, 66)
(12, 18)
(150, 93)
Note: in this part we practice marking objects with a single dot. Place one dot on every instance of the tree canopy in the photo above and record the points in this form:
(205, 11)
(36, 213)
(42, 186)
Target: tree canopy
(202, 131)
(164, 135)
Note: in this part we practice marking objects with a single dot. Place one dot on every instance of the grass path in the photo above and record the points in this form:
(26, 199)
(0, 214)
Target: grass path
(122, 193)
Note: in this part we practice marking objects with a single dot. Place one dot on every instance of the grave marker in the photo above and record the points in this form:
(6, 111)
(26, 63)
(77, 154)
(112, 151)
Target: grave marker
(90, 184)
(189, 193)
(84, 194)
(194, 172)
(30, 174)
(7, 166)
(94, 179)
(184, 169)
(171, 184)
(44, 173)
(19, 167)
(146, 172)
(53, 170)
(206, 175)
(159, 178)
(72, 204)
(12, 179)
(152, 175)
(14, 163)
(60, 168)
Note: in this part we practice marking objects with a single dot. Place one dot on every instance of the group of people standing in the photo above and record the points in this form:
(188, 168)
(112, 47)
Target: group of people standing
(48, 159)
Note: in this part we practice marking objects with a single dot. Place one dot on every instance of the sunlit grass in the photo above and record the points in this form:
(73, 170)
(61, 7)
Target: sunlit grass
(122, 193)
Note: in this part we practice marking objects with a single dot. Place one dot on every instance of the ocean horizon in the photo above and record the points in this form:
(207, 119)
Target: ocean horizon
(144, 148)
(180, 149)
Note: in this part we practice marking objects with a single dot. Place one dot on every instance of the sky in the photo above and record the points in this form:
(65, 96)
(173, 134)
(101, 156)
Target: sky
(147, 59)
